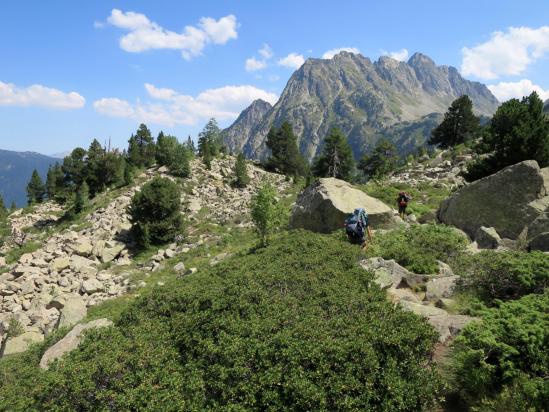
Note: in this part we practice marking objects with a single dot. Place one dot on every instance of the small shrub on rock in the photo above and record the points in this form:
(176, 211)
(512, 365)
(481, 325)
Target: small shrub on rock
(155, 212)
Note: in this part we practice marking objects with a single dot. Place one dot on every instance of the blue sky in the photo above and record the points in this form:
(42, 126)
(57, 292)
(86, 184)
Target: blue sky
(73, 71)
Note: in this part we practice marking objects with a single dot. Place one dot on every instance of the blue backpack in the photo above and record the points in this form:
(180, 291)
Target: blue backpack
(355, 225)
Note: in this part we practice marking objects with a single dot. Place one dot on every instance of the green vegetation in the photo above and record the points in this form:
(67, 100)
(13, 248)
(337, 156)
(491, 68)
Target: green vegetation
(141, 148)
(155, 212)
(459, 126)
(502, 362)
(174, 155)
(418, 248)
(337, 159)
(35, 189)
(210, 142)
(285, 156)
(267, 214)
(492, 275)
(518, 131)
(241, 172)
(426, 198)
(295, 326)
(381, 162)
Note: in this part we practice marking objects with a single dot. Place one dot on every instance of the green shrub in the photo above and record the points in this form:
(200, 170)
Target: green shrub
(296, 326)
(266, 212)
(502, 363)
(155, 212)
(241, 172)
(418, 248)
(492, 275)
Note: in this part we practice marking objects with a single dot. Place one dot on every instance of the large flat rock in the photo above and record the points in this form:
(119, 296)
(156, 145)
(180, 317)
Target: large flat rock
(323, 207)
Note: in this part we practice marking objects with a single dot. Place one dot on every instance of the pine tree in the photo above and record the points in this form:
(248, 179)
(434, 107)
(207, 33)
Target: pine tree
(95, 171)
(74, 167)
(35, 189)
(166, 147)
(518, 131)
(13, 206)
(241, 172)
(180, 161)
(285, 156)
(459, 125)
(337, 158)
(207, 155)
(141, 147)
(3, 210)
(211, 134)
(81, 199)
(381, 162)
(190, 145)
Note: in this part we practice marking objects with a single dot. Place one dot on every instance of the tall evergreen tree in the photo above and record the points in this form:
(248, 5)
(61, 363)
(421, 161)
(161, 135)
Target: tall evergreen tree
(285, 156)
(166, 147)
(212, 135)
(180, 161)
(190, 145)
(3, 210)
(518, 131)
(13, 206)
(74, 167)
(336, 159)
(381, 162)
(81, 199)
(95, 172)
(459, 124)
(207, 155)
(141, 147)
(35, 189)
(241, 172)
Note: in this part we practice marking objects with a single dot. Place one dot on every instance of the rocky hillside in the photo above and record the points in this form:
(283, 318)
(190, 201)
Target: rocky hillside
(367, 100)
(15, 171)
(74, 268)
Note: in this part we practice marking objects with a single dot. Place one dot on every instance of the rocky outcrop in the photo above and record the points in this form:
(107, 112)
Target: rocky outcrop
(323, 207)
(403, 288)
(514, 202)
(365, 100)
(70, 341)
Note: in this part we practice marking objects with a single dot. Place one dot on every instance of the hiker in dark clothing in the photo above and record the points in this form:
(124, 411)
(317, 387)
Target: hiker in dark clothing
(402, 202)
(357, 227)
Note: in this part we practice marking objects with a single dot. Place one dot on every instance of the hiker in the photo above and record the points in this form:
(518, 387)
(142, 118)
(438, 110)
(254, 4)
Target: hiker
(402, 201)
(357, 227)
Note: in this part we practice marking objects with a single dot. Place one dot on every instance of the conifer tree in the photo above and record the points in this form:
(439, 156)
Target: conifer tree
(13, 206)
(190, 145)
(285, 156)
(141, 147)
(459, 124)
(81, 199)
(336, 159)
(95, 167)
(381, 162)
(74, 167)
(211, 134)
(3, 210)
(35, 189)
(241, 172)
(166, 147)
(180, 161)
(207, 155)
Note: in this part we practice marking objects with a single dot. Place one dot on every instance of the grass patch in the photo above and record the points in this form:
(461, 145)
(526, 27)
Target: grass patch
(14, 254)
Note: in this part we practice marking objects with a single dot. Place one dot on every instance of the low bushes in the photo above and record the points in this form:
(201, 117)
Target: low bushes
(502, 362)
(294, 326)
(492, 275)
(418, 248)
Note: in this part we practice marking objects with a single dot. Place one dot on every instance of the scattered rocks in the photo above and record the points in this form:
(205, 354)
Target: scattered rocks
(22, 342)
(73, 311)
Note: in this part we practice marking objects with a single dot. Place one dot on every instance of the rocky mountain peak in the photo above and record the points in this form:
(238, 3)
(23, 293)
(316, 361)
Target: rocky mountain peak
(365, 100)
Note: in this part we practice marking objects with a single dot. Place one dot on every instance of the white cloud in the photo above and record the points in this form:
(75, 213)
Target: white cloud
(252, 64)
(331, 53)
(38, 95)
(509, 90)
(292, 60)
(400, 55)
(170, 108)
(266, 51)
(506, 53)
(147, 35)
(113, 107)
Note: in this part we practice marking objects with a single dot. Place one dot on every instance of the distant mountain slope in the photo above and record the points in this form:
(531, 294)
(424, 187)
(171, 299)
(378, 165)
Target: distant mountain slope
(366, 99)
(15, 171)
